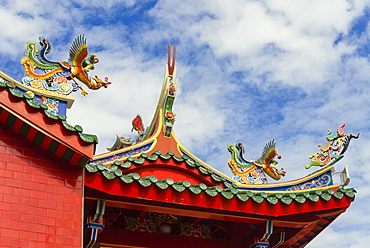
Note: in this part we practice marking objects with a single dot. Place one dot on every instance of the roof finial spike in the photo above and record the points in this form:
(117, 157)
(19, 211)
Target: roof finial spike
(171, 67)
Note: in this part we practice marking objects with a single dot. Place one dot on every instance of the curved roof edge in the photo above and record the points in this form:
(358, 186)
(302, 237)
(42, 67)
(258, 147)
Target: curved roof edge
(26, 88)
(160, 142)
(36, 122)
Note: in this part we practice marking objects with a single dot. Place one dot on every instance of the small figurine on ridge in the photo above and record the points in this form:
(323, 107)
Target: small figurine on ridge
(123, 142)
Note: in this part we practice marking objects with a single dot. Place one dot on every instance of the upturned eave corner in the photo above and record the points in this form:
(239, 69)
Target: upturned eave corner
(22, 114)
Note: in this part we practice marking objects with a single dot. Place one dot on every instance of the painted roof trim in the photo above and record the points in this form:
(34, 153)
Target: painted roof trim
(69, 100)
(214, 175)
(49, 131)
(314, 195)
(88, 138)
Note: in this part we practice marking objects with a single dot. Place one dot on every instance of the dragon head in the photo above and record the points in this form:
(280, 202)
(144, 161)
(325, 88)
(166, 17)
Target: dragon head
(44, 42)
(93, 59)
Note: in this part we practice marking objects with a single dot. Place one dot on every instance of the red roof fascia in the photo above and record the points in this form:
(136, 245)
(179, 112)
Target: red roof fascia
(37, 119)
(152, 193)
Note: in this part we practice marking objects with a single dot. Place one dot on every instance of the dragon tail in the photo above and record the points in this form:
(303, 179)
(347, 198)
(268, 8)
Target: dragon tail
(29, 70)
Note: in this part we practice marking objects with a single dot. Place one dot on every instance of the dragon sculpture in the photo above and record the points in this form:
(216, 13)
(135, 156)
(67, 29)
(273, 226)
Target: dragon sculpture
(253, 171)
(57, 72)
(334, 149)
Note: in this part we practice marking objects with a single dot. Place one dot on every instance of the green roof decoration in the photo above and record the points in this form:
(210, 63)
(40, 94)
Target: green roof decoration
(334, 149)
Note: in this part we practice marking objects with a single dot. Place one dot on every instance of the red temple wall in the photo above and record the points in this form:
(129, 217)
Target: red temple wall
(40, 196)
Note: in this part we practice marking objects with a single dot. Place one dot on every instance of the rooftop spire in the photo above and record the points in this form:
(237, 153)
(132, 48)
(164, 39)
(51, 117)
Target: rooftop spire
(171, 68)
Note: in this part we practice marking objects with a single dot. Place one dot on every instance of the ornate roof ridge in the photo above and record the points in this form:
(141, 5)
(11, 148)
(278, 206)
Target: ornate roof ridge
(52, 94)
(116, 169)
(165, 101)
(228, 192)
(9, 86)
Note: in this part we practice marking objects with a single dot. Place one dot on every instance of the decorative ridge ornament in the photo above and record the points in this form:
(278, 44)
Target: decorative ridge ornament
(138, 125)
(165, 101)
(337, 144)
(122, 142)
(171, 67)
(54, 75)
(169, 115)
(253, 171)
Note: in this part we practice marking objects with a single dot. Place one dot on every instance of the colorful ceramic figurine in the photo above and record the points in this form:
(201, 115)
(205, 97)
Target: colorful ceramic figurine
(138, 125)
(253, 171)
(54, 75)
(334, 149)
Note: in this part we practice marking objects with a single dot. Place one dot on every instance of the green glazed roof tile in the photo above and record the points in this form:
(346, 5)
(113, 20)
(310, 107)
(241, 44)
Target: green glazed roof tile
(139, 161)
(15, 92)
(101, 167)
(117, 163)
(230, 190)
(129, 178)
(338, 195)
(314, 197)
(144, 155)
(32, 104)
(126, 165)
(68, 126)
(170, 155)
(130, 159)
(60, 117)
(190, 163)
(213, 191)
(272, 199)
(164, 184)
(243, 196)
(258, 198)
(152, 157)
(91, 168)
(178, 159)
(301, 199)
(50, 115)
(109, 175)
(147, 181)
(181, 186)
(197, 188)
(118, 173)
(286, 199)
(165, 156)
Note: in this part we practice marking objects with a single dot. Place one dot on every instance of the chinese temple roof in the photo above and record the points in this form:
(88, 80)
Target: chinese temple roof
(156, 173)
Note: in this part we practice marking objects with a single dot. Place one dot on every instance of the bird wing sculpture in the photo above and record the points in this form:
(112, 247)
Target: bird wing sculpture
(269, 152)
(253, 171)
(267, 162)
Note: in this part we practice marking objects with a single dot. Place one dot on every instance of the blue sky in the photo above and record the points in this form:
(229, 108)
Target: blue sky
(248, 70)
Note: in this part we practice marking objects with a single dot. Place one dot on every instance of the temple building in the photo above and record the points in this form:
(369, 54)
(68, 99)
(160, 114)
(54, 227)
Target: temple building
(146, 191)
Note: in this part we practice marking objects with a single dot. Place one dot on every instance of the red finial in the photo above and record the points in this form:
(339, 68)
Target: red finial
(171, 68)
